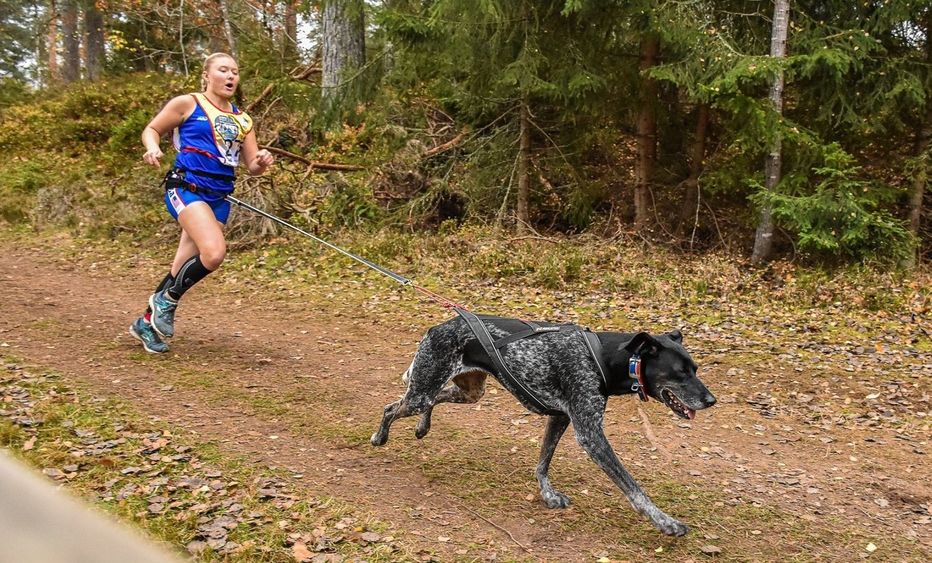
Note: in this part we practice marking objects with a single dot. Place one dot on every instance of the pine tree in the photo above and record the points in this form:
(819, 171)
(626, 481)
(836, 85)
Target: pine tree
(94, 41)
(71, 42)
(344, 49)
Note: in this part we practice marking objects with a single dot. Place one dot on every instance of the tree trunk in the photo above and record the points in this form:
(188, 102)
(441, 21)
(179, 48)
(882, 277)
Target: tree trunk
(763, 239)
(691, 184)
(524, 158)
(71, 65)
(216, 38)
(647, 133)
(94, 41)
(290, 39)
(344, 46)
(923, 143)
(52, 43)
(227, 28)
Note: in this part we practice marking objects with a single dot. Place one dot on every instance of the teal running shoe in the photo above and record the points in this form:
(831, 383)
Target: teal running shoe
(163, 314)
(141, 331)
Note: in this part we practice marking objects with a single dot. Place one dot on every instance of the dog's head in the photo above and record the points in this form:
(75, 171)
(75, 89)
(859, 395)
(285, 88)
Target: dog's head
(669, 372)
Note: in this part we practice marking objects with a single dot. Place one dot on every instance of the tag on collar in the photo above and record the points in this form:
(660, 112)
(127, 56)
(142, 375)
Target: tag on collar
(634, 371)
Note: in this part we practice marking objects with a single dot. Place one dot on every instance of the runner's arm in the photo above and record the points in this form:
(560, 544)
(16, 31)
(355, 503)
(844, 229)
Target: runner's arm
(257, 160)
(172, 115)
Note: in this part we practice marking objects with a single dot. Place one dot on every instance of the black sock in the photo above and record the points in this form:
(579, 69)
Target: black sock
(166, 282)
(190, 273)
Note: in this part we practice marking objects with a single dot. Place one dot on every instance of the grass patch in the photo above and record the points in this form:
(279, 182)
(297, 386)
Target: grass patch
(186, 493)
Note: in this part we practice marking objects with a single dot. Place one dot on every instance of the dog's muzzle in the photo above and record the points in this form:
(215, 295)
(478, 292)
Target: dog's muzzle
(679, 406)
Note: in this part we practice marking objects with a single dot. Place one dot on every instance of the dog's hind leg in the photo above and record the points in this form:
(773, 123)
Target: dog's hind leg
(587, 423)
(391, 412)
(467, 387)
(432, 367)
(556, 425)
(417, 400)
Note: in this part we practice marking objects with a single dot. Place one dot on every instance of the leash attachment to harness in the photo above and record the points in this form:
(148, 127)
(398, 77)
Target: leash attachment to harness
(634, 371)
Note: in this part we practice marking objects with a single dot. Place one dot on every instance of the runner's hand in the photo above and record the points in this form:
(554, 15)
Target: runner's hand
(264, 158)
(152, 157)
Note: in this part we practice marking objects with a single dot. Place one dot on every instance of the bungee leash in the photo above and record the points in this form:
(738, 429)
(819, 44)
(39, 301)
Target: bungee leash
(448, 303)
(175, 178)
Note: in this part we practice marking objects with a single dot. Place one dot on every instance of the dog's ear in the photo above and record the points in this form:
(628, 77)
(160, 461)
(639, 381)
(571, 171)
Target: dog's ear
(676, 336)
(646, 343)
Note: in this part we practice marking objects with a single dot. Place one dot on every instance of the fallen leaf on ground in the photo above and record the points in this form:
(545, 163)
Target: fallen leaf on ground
(300, 552)
(370, 537)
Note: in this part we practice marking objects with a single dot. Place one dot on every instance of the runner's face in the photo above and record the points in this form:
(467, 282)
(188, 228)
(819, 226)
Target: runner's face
(222, 76)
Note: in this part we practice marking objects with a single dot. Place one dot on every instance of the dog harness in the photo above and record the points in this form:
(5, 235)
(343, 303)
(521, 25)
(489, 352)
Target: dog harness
(493, 348)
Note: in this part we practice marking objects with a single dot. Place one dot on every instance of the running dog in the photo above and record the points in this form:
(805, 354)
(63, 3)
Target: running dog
(573, 379)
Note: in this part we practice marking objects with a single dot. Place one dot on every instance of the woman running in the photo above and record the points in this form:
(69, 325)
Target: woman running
(210, 134)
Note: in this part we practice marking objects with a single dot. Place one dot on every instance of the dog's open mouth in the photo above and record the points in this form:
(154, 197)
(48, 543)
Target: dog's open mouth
(677, 406)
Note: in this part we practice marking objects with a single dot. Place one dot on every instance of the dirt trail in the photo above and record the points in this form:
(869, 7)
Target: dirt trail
(303, 369)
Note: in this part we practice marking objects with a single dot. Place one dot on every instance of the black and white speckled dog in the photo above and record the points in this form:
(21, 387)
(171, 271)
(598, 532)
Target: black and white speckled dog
(558, 369)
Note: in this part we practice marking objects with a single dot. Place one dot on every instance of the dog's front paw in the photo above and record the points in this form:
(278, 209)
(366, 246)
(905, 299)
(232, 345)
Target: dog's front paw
(555, 499)
(673, 527)
(423, 427)
(379, 439)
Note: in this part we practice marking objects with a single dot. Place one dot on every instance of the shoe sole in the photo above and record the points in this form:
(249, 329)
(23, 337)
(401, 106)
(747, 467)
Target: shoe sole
(144, 345)
(152, 324)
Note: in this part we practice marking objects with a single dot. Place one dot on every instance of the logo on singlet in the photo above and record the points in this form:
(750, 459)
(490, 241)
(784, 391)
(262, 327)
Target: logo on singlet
(226, 127)
(229, 131)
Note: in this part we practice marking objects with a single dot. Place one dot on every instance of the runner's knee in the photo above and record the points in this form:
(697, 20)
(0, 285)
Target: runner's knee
(212, 254)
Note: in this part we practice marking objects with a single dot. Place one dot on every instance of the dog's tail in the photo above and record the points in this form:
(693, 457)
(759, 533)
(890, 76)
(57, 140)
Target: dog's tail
(407, 374)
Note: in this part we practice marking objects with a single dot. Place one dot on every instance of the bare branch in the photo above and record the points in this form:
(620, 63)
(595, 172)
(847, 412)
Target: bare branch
(312, 163)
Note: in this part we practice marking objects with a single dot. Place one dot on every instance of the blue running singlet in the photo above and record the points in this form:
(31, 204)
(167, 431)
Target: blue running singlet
(209, 140)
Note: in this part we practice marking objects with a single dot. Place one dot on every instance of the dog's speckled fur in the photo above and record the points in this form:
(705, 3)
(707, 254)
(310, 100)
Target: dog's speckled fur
(557, 367)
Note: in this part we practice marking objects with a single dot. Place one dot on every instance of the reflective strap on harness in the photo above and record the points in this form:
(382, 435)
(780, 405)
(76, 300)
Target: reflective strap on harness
(595, 348)
(481, 333)
(534, 329)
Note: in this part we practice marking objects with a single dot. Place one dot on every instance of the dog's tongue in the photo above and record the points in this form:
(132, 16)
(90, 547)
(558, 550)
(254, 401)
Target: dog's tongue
(690, 413)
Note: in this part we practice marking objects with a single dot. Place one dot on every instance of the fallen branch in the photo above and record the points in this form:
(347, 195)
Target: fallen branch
(534, 237)
(519, 544)
(649, 433)
(260, 97)
(306, 72)
(313, 163)
(271, 86)
(445, 146)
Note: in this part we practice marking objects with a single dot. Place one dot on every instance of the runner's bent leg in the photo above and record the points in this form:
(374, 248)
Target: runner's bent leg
(204, 233)
(202, 227)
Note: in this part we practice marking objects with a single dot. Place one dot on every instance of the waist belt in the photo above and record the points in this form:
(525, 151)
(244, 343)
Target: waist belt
(175, 178)
(211, 175)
